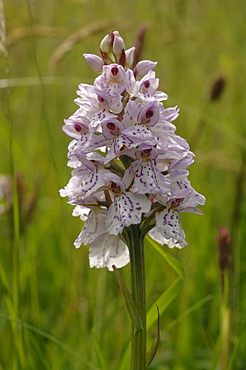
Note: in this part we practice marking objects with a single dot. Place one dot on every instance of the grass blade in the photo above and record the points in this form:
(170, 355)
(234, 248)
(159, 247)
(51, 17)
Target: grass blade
(164, 301)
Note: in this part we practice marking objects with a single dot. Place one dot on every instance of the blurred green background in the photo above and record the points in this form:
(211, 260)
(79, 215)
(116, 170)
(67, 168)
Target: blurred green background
(56, 312)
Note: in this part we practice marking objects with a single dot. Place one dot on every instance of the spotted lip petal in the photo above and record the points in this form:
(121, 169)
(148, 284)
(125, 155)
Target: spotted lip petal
(108, 251)
(87, 143)
(130, 114)
(168, 225)
(171, 243)
(126, 210)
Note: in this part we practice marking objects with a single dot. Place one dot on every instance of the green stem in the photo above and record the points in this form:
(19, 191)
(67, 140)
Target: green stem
(225, 322)
(138, 337)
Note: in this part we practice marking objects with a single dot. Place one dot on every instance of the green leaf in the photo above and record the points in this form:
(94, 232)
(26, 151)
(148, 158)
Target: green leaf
(131, 307)
(152, 352)
(164, 301)
(172, 261)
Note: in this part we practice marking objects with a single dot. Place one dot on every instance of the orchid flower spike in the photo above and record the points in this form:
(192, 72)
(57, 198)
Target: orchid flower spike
(129, 167)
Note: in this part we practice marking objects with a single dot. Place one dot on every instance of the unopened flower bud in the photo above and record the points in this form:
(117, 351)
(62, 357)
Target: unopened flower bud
(94, 61)
(105, 44)
(112, 35)
(144, 67)
(118, 45)
(129, 56)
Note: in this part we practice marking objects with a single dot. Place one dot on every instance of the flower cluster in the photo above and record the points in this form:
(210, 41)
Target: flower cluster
(129, 166)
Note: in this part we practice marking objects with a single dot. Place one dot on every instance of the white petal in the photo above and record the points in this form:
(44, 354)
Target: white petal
(130, 114)
(94, 182)
(160, 95)
(81, 211)
(139, 134)
(94, 227)
(108, 250)
(72, 188)
(131, 85)
(130, 172)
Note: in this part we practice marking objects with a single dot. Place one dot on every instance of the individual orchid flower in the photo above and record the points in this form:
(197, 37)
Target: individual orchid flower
(146, 88)
(96, 106)
(86, 178)
(112, 80)
(76, 126)
(168, 228)
(138, 113)
(84, 141)
(127, 208)
(105, 250)
(143, 172)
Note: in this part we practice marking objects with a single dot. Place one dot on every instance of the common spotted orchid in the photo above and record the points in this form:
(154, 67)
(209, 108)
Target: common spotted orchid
(129, 166)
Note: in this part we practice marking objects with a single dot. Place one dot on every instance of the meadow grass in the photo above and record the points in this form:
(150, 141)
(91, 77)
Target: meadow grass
(56, 312)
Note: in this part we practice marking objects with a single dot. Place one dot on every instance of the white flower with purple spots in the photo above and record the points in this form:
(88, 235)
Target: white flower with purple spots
(96, 105)
(146, 88)
(144, 174)
(168, 229)
(112, 80)
(127, 208)
(138, 113)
